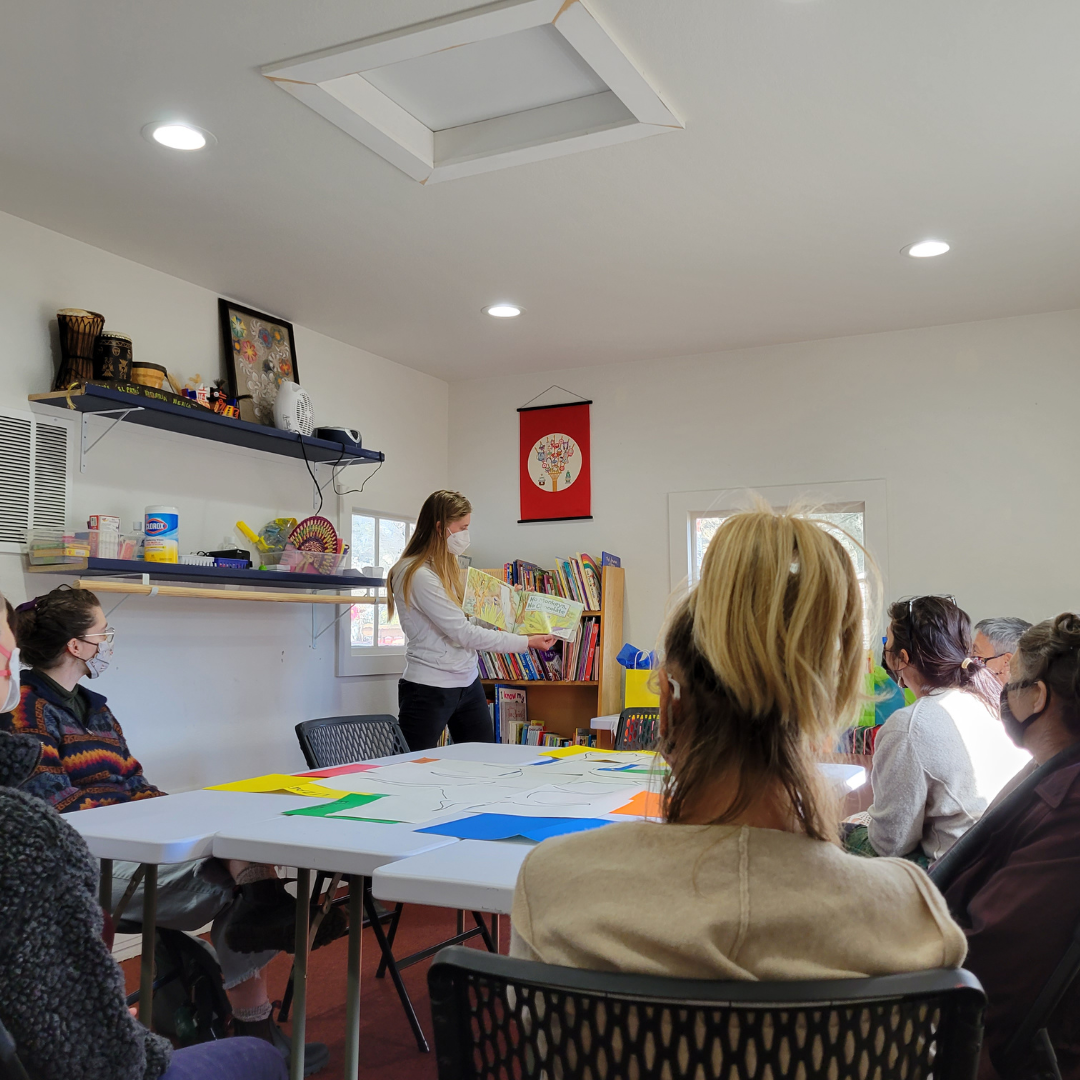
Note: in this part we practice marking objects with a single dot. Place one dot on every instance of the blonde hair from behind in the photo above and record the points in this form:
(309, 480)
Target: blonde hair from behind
(428, 545)
(770, 655)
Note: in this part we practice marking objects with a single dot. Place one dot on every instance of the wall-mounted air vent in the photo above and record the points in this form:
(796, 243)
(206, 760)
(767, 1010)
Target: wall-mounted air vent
(33, 477)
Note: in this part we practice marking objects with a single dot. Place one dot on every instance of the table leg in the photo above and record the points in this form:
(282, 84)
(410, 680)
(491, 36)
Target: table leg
(105, 885)
(299, 1013)
(149, 943)
(352, 994)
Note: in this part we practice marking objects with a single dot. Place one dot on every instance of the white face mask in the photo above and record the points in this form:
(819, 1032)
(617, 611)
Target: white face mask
(458, 542)
(13, 689)
(99, 661)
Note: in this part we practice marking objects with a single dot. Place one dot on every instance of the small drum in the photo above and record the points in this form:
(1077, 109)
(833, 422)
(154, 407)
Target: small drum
(112, 357)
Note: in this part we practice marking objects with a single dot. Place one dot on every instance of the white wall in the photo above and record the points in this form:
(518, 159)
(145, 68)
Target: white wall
(974, 427)
(209, 690)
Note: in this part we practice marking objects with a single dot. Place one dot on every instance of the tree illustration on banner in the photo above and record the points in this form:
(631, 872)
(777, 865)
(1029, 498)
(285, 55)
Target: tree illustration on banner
(555, 463)
(555, 472)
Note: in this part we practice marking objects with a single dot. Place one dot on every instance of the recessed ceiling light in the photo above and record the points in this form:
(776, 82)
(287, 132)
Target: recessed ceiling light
(925, 249)
(503, 311)
(178, 136)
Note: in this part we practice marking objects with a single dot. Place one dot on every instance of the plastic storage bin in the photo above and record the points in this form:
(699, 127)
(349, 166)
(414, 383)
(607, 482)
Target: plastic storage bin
(305, 562)
(51, 546)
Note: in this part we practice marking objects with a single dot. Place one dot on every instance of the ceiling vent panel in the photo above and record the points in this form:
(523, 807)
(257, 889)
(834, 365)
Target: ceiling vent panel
(497, 86)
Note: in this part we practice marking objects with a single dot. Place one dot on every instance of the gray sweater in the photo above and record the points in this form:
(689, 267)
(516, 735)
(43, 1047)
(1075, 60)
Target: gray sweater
(61, 993)
(937, 764)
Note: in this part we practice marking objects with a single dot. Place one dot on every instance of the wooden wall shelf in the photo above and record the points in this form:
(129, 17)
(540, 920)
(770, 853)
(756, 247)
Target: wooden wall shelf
(133, 588)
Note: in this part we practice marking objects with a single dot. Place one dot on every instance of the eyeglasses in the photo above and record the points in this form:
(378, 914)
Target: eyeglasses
(106, 635)
(987, 659)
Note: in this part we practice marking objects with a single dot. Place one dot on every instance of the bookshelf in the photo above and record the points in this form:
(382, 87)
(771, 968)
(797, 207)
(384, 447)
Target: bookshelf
(563, 706)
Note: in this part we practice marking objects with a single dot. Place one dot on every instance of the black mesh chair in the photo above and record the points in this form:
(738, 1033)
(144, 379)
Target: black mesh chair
(342, 740)
(11, 1068)
(496, 1017)
(639, 729)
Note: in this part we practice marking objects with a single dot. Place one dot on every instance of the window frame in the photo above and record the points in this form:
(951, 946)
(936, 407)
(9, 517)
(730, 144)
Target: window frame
(369, 659)
(685, 507)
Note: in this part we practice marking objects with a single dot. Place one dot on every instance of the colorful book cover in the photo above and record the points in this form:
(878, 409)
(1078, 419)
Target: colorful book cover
(511, 705)
(498, 604)
(607, 559)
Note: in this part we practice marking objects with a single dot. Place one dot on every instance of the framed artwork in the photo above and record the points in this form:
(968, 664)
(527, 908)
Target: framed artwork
(260, 354)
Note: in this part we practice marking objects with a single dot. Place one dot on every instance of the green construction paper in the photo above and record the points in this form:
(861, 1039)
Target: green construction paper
(324, 809)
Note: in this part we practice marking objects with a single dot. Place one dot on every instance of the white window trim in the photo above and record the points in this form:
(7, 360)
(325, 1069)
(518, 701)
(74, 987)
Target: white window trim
(684, 506)
(379, 659)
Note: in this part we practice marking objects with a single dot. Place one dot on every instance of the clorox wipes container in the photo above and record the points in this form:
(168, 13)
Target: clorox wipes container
(162, 542)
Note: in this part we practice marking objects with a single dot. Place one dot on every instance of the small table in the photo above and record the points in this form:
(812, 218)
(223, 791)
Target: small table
(475, 875)
(168, 829)
(353, 848)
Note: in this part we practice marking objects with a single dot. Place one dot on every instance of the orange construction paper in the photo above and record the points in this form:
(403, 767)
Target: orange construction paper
(643, 804)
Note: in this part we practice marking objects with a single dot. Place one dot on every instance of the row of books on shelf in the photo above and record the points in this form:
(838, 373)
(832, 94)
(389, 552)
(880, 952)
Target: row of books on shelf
(569, 661)
(510, 719)
(575, 578)
(535, 735)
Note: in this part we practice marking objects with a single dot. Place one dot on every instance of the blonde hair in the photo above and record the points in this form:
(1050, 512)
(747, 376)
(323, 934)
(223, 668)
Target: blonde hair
(769, 653)
(428, 545)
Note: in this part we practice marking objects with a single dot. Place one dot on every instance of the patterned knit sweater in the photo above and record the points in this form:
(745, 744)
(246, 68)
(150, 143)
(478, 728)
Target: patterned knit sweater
(83, 764)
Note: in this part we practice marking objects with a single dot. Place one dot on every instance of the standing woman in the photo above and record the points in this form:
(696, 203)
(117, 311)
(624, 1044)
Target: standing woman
(440, 686)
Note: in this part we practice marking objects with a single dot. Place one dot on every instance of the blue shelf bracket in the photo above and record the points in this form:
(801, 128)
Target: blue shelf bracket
(85, 446)
(316, 634)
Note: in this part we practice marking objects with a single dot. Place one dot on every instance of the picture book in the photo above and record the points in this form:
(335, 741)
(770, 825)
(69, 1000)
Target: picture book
(493, 601)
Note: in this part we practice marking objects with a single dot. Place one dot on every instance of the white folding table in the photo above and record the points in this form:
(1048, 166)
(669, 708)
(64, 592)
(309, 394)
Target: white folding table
(480, 875)
(353, 848)
(167, 829)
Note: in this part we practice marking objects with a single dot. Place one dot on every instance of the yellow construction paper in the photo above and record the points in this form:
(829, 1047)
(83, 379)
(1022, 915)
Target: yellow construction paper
(279, 784)
(569, 751)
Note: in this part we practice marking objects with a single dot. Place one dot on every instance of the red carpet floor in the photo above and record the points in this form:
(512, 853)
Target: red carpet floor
(387, 1048)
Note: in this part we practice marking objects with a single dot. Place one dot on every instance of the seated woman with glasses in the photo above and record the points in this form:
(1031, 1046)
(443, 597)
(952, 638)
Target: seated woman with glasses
(1012, 881)
(939, 761)
(85, 762)
(743, 877)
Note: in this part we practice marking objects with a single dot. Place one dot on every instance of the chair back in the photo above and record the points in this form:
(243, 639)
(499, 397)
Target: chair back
(11, 1068)
(341, 740)
(496, 1017)
(639, 729)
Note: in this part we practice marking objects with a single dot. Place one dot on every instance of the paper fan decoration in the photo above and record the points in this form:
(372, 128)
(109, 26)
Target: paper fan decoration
(316, 534)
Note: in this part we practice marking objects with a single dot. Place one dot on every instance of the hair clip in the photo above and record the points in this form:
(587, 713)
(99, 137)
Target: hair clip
(29, 605)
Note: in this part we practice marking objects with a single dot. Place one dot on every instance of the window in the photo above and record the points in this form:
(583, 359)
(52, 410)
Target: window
(848, 521)
(857, 506)
(370, 642)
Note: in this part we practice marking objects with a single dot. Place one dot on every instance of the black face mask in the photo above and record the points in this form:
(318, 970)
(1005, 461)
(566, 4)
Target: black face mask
(1015, 728)
(885, 664)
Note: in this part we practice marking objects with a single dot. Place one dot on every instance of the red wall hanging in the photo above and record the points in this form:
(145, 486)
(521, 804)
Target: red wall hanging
(556, 465)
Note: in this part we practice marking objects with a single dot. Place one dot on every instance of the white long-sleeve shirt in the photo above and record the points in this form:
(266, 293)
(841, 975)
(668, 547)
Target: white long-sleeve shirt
(937, 764)
(440, 642)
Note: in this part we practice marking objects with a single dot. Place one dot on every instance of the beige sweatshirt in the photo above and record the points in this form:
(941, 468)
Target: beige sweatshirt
(727, 902)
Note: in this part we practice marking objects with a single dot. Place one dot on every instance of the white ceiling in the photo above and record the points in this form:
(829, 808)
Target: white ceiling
(525, 70)
(821, 137)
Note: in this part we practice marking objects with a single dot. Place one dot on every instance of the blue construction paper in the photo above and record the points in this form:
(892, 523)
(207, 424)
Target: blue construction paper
(508, 826)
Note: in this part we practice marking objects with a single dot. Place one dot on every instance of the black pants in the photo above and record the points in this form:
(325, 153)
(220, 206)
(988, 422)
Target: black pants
(423, 712)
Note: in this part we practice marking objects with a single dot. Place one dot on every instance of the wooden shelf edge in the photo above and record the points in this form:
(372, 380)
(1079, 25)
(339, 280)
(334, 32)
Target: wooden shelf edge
(540, 682)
